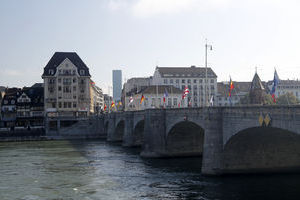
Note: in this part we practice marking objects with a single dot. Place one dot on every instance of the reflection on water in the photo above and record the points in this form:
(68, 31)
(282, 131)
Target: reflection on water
(98, 170)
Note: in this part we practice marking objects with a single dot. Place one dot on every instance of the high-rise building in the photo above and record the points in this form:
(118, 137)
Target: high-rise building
(117, 84)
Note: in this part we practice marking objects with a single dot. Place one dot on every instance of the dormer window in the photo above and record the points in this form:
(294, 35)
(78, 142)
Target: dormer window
(51, 71)
(67, 65)
(82, 72)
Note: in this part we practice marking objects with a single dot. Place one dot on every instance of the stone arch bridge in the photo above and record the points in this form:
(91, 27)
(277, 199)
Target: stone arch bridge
(229, 139)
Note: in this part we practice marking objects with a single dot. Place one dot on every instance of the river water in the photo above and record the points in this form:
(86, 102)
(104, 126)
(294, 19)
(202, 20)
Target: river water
(95, 169)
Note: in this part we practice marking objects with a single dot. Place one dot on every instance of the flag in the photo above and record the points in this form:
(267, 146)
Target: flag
(105, 107)
(185, 92)
(130, 100)
(112, 104)
(231, 87)
(190, 102)
(142, 99)
(119, 104)
(211, 101)
(274, 85)
(165, 95)
(179, 105)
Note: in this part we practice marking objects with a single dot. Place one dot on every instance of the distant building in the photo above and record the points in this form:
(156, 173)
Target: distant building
(8, 107)
(97, 98)
(193, 77)
(257, 91)
(134, 86)
(30, 106)
(154, 98)
(117, 85)
(107, 102)
(67, 86)
(241, 89)
(286, 86)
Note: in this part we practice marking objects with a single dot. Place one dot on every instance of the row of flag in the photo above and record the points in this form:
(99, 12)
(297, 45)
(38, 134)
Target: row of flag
(186, 92)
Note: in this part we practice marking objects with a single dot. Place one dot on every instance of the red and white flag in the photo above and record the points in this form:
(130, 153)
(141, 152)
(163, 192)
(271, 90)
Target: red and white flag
(185, 92)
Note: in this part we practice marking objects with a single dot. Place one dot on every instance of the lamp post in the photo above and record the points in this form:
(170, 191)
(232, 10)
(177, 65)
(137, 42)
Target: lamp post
(207, 46)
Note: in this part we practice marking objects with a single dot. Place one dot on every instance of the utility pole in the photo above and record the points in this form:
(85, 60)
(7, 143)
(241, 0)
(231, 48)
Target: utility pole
(206, 81)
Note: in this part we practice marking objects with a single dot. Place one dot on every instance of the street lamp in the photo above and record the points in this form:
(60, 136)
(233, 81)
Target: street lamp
(207, 46)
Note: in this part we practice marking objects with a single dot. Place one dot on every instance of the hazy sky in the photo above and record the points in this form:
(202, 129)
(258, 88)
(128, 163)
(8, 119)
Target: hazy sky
(137, 35)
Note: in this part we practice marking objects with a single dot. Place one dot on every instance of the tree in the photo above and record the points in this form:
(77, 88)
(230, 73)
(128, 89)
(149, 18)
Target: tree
(267, 98)
(287, 99)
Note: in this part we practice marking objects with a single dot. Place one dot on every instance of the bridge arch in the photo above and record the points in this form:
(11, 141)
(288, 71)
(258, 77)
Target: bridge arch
(138, 133)
(185, 138)
(119, 130)
(262, 149)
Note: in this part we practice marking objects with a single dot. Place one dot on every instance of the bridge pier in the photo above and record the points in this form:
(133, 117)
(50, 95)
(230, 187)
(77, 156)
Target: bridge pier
(213, 145)
(128, 139)
(154, 134)
(111, 128)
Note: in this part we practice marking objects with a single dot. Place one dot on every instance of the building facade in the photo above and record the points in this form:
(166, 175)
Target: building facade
(160, 96)
(97, 98)
(286, 86)
(9, 107)
(66, 86)
(202, 82)
(117, 84)
(241, 89)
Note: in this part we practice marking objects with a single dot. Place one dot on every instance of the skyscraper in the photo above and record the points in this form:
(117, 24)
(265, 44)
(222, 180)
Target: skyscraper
(117, 84)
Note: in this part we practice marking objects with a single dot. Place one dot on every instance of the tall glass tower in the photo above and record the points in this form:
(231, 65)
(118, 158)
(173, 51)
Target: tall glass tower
(117, 84)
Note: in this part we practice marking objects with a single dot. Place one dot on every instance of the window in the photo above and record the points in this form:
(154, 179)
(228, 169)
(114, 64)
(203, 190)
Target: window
(59, 80)
(74, 97)
(195, 80)
(74, 104)
(171, 81)
(74, 80)
(183, 81)
(59, 88)
(165, 81)
(182, 87)
(189, 80)
(74, 88)
(67, 89)
(51, 71)
(69, 104)
(67, 65)
(175, 101)
(153, 102)
(177, 81)
(200, 81)
(53, 105)
(74, 72)
(59, 104)
(65, 104)
(211, 80)
(169, 101)
(82, 72)
(12, 101)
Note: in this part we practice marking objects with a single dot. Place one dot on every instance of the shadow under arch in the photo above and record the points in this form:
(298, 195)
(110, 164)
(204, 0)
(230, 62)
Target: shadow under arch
(138, 133)
(185, 138)
(106, 128)
(119, 131)
(262, 149)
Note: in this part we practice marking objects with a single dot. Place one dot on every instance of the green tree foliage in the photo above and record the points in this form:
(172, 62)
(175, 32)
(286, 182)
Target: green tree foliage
(287, 99)
(268, 100)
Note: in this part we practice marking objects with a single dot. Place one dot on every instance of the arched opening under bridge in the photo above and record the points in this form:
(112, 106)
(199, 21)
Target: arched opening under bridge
(119, 131)
(138, 133)
(185, 138)
(262, 149)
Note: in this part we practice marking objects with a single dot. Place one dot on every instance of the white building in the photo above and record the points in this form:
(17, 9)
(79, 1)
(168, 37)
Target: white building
(286, 86)
(192, 77)
(154, 98)
(67, 85)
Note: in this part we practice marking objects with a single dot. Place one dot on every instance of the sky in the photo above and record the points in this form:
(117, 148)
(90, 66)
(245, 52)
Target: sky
(138, 35)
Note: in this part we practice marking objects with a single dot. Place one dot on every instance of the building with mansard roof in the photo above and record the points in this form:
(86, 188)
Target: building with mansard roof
(67, 86)
(195, 78)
